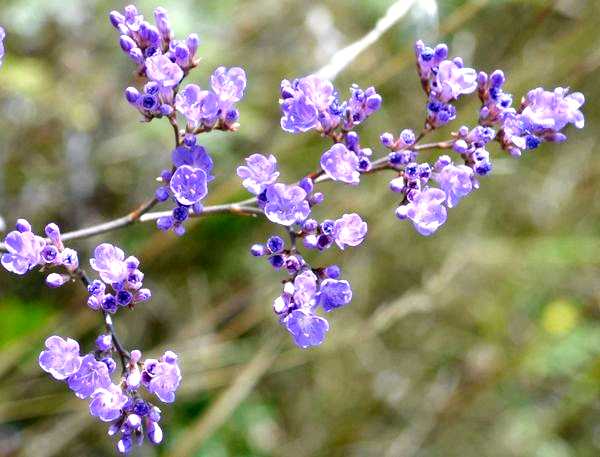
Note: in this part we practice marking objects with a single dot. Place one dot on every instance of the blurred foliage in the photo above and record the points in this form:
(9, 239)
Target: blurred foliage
(483, 340)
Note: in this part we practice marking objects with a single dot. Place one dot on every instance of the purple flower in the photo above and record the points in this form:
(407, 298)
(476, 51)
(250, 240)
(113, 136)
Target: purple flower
(229, 85)
(305, 289)
(425, 210)
(109, 262)
(307, 329)
(197, 105)
(545, 110)
(60, 358)
(456, 182)
(162, 377)
(91, 375)
(349, 230)
(286, 204)
(160, 69)
(189, 185)
(341, 164)
(453, 80)
(258, 173)
(107, 402)
(305, 104)
(334, 294)
(24, 251)
(195, 156)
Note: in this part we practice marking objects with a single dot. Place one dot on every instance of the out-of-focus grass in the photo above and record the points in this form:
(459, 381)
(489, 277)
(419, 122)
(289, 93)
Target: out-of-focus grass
(482, 340)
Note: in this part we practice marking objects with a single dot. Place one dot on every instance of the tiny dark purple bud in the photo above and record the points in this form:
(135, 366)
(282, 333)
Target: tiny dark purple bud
(109, 303)
(127, 43)
(189, 140)
(23, 226)
(162, 193)
(110, 364)
(53, 232)
(180, 213)
(258, 250)
(49, 253)
(277, 261)
(142, 295)
(116, 18)
(328, 226)
(332, 271)
(307, 184)
(55, 280)
(124, 298)
(132, 95)
(317, 198)
(104, 342)
(164, 223)
(310, 226)
(275, 244)
(387, 139)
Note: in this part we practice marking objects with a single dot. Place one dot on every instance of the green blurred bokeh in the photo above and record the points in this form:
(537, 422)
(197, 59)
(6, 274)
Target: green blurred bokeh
(483, 340)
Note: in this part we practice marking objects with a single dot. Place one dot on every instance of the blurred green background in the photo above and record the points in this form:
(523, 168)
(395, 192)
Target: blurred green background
(483, 340)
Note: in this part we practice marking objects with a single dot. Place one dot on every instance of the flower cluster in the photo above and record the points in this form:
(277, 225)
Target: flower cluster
(26, 250)
(121, 404)
(313, 103)
(443, 81)
(165, 62)
(208, 109)
(186, 184)
(541, 117)
(122, 274)
(307, 290)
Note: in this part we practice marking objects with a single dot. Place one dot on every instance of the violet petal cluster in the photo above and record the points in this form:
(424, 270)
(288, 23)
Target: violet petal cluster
(27, 250)
(186, 185)
(121, 274)
(313, 103)
(131, 417)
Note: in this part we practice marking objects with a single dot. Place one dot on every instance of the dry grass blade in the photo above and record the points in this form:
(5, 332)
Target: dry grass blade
(229, 400)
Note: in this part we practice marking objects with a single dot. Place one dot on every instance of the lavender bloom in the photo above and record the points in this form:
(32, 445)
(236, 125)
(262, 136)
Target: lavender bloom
(197, 105)
(160, 69)
(162, 377)
(334, 294)
(60, 358)
(91, 375)
(24, 251)
(109, 262)
(453, 80)
(229, 85)
(307, 329)
(305, 289)
(349, 230)
(456, 182)
(305, 104)
(425, 210)
(2, 36)
(258, 173)
(107, 402)
(286, 205)
(341, 164)
(189, 185)
(552, 111)
(195, 156)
